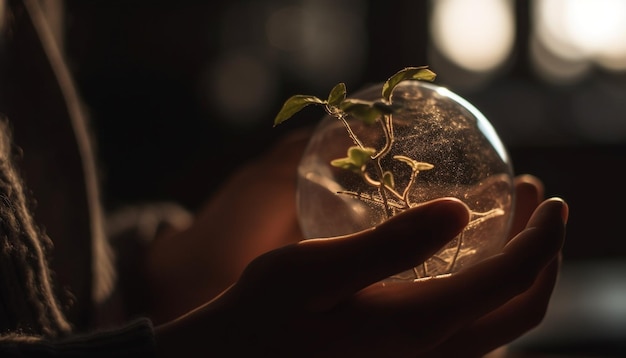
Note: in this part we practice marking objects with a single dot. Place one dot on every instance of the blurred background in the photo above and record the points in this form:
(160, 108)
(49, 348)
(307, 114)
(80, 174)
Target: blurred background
(183, 92)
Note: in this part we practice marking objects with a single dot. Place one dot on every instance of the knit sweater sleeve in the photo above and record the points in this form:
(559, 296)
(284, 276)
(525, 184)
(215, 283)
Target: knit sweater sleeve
(135, 339)
(32, 321)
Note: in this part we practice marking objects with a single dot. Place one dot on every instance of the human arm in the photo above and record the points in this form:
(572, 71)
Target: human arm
(319, 297)
(253, 212)
(323, 297)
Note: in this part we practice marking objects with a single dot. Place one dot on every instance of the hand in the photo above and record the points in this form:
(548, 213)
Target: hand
(252, 213)
(323, 298)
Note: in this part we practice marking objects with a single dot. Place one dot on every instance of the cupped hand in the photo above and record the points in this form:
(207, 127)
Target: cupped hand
(252, 213)
(324, 298)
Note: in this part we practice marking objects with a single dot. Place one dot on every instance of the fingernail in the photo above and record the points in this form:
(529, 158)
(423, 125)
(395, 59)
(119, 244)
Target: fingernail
(563, 209)
(564, 212)
(548, 211)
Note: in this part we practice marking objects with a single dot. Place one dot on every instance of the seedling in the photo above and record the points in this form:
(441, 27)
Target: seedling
(360, 157)
(367, 162)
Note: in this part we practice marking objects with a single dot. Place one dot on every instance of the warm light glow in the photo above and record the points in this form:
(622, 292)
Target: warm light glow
(241, 86)
(483, 124)
(476, 35)
(311, 42)
(554, 68)
(320, 40)
(2, 14)
(283, 28)
(590, 30)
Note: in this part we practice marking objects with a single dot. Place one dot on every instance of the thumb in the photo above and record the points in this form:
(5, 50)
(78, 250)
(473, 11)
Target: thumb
(327, 271)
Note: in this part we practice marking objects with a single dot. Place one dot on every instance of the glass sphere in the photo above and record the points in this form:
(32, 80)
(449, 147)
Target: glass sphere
(439, 145)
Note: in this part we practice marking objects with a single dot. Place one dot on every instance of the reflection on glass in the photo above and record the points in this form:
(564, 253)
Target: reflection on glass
(442, 146)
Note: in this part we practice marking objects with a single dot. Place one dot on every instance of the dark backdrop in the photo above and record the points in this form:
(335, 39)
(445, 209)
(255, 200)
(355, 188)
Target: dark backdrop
(137, 64)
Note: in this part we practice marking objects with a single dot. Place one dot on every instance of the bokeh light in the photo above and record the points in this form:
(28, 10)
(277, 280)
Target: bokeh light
(2, 14)
(264, 44)
(242, 86)
(319, 42)
(578, 33)
(475, 35)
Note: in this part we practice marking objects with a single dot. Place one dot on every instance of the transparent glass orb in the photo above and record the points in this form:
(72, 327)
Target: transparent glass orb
(457, 153)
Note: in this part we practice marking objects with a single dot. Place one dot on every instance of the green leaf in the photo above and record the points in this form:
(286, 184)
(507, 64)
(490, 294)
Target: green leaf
(414, 164)
(423, 166)
(360, 156)
(388, 180)
(356, 160)
(337, 94)
(293, 105)
(408, 73)
(363, 110)
(345, 163)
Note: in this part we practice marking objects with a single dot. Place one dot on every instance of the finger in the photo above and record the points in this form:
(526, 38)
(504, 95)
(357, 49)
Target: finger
(424, 334)
(506, 323)
(448, 303)
(324, 272)
(528, 194)
(546, 213)
(517, 267)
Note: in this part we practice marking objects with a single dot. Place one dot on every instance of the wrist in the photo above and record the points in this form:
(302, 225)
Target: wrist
(196, 333)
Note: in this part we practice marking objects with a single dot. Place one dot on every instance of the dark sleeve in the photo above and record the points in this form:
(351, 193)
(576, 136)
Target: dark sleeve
(136, 339)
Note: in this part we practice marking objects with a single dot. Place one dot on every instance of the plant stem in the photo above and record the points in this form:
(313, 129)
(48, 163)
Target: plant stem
(389, 137)
(371, 199)
(405, 194)
(382, 188)
(353, 136)
(386, 123)
(376, 184)
(456, 253)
